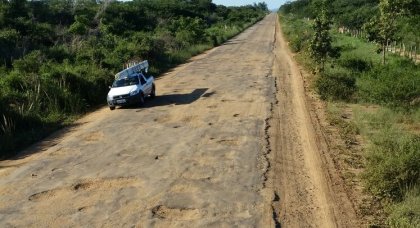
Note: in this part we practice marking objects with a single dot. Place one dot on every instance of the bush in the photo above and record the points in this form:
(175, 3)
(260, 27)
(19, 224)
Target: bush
(407, 212)
(336, 86)
(355, 64)
(396, 85)
(298, 43)
(297, 31)
(393, 163)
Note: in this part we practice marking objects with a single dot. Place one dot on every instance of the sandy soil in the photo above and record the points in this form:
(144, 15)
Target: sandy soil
(309, 191)
(228, 141)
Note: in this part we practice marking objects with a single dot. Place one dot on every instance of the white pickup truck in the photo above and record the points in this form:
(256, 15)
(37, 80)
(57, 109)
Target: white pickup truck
(131, 87)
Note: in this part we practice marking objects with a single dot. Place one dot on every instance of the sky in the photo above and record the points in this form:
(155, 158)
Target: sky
(272, 4)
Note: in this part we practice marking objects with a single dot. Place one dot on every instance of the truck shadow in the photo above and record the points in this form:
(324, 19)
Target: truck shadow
(176, 99)
(56, 137)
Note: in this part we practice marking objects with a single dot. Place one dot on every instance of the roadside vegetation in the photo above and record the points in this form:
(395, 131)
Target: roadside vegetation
(384, 96)
(58, 57)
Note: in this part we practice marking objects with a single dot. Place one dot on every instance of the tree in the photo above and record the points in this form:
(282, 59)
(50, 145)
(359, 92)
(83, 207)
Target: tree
(320, 46)
(390, 12)
(8, 45)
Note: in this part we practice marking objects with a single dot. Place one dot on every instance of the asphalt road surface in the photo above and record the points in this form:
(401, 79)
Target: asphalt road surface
(227, 142)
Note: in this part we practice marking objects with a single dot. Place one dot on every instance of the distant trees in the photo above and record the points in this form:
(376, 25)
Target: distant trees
(383, 20)
(353, 14)
(348, 13)
(299, 8)
(384, 27)
(390, 11)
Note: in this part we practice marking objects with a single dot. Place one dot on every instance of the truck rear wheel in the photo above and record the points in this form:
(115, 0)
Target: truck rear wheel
(153, 93)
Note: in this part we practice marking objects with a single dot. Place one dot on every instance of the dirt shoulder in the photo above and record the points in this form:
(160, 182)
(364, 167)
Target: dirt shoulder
(310, 190)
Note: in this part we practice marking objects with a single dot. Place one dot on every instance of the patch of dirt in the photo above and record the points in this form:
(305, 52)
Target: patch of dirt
(310, 189)
(163, 212)
(90, 185)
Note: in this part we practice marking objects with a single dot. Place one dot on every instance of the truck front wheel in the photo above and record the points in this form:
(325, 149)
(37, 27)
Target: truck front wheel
(141, 102)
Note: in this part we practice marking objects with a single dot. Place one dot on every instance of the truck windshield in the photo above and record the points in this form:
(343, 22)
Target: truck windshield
(125, 82)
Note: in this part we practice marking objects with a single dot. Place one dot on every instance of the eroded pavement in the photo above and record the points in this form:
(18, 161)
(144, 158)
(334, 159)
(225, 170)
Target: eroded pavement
(194, 156)
(229, 141)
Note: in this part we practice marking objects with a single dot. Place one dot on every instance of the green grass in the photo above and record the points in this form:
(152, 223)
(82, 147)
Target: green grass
(355, 48)
(393, 160)
(395, 85)
(406, 214)
(298, 32)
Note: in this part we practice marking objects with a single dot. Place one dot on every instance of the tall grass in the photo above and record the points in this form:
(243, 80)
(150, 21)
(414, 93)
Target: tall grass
(406, 214)
(395, 85)
(7, 128)
(393, 161)
(298, 32)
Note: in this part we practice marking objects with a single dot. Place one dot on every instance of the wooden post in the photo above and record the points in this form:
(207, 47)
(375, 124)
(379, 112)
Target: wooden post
(401, 48)
(411, 52)
(390, 47)
(404, 49)
(384, 52)
(395, 47)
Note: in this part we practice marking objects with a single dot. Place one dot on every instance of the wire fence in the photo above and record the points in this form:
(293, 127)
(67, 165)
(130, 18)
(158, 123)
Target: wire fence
(404, 49)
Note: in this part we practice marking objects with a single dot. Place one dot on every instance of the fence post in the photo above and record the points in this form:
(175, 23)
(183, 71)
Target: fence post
(399, 52)
(395, 46)
(393, 49)
(411, 52)
(404, 49)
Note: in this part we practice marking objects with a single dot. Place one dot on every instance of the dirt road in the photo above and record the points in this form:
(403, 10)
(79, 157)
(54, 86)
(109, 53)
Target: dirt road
(228, 141)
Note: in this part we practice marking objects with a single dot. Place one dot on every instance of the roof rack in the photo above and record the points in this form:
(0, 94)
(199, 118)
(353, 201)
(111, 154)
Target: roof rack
(136, 68)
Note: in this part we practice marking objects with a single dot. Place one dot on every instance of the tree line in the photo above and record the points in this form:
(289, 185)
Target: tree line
(383, 21)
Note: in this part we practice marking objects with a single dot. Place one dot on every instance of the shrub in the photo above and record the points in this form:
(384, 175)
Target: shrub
(298, 43)
(298, 32)
(396, 85)
(393, 163)
(336, 86)
(7, 128)
(355, 64)
(407, 212)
